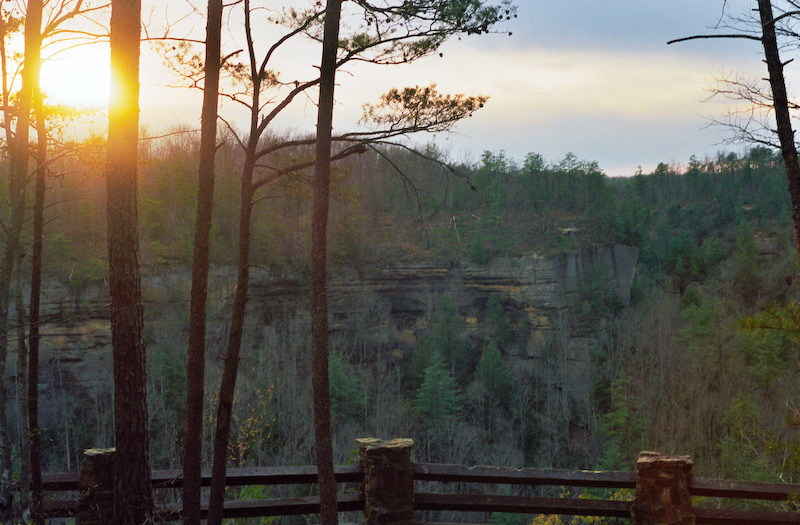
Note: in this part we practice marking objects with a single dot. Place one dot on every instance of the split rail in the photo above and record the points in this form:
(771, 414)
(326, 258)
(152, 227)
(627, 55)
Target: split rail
(387, 487)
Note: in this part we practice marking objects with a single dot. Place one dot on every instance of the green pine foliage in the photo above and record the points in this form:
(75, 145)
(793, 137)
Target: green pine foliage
(445, 337)
(347, 397)
(499, 327)
(438, 400)
(623, 426)
(746, 277)
(493, 372)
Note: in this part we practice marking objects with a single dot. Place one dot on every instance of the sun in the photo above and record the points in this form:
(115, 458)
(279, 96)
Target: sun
(78, 78)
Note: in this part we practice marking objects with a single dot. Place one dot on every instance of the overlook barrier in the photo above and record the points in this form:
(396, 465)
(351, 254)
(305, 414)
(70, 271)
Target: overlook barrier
(383, 486)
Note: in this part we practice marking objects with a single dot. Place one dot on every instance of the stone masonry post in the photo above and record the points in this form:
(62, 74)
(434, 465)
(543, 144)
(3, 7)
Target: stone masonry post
(662, 490)
(388, 483)
(96, 503)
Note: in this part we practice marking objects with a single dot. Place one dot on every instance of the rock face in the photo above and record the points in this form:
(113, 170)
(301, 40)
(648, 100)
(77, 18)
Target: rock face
(536, 292)
(393, 305)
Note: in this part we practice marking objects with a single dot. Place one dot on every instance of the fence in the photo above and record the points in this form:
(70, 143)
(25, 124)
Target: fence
(383, 488)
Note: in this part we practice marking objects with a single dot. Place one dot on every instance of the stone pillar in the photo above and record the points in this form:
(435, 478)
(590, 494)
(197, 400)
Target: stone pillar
(662, 490)
(96, 504)
(388, 482)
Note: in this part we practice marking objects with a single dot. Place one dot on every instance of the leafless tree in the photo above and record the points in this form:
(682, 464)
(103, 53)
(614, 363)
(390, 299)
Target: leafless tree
(767, 32)
(35, 460)
(45, 25)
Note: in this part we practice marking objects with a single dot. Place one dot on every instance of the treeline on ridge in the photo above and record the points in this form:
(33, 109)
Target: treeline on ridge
(391, 203)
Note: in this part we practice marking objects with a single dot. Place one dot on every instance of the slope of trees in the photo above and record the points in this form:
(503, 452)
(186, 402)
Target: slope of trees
(770, 120)
(712, 317)
(682, 249)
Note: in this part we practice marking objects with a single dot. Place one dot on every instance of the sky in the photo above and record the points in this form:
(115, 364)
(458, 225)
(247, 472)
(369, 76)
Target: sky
(596, 79)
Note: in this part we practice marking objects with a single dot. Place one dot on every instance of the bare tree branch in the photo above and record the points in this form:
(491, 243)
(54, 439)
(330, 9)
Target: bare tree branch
(697, 37)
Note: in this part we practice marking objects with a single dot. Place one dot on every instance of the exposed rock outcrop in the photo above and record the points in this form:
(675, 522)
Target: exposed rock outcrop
(395, 304)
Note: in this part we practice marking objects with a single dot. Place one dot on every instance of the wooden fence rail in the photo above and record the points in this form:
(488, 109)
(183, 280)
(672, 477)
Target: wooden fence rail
(386, 491)
(269, 476)
(237, 477)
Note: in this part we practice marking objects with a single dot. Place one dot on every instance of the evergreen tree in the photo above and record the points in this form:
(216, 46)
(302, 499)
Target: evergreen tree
(493, 372)
(623, 426)
(681, 259)
(500, 330)
(445, 337)
(746, 279)
(347, 399)
(438, 400)
(133, 501)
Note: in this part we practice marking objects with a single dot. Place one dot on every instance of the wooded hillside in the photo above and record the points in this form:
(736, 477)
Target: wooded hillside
(702, 362)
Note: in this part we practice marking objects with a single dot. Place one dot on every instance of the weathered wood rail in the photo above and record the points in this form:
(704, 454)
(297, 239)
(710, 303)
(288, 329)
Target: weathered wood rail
(662, 489)
(172, 479)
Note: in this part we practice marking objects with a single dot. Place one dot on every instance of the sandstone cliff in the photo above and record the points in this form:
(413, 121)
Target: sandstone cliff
(393, 305)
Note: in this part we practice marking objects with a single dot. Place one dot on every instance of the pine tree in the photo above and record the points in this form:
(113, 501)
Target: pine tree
(445, 337)
(133, 501)
(493, 372)
(347, 398)
(500, 330)
(438, 400)
(746, 278)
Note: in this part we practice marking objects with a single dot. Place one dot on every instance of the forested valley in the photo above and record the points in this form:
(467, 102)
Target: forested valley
(700, 359)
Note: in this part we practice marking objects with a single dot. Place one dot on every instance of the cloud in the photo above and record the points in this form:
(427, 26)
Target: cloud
(622, 25)
(622, 109)
(594, 78)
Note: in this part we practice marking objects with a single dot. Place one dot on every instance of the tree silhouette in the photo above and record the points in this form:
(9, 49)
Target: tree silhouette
(45, 28)
(319, 264)
(35, 452)
(20, 155)
(493, 372)
(132, 497)
(193, 446)
(397, 34)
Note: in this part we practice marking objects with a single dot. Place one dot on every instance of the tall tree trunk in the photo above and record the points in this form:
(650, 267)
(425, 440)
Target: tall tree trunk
(780, 101)
(5, 456)
(227, 387)
(35, 303)
(132, 497)
(319, 261)
(19, 172)
(22, 394)
(195, 367)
